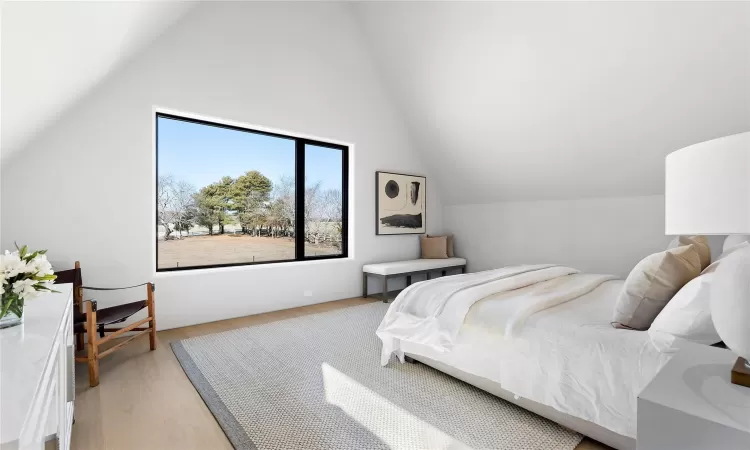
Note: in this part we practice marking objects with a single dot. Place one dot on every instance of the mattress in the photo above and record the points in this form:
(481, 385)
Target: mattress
(567, 357)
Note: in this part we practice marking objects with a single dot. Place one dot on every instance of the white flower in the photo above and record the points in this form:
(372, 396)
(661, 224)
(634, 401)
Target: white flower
(11, 264)
(39, 266)
(25, 289)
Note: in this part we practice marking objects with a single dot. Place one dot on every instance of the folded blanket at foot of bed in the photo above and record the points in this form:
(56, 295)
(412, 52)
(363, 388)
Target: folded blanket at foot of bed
(432, 312)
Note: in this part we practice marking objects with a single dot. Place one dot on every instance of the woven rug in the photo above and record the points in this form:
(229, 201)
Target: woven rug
(315, 382)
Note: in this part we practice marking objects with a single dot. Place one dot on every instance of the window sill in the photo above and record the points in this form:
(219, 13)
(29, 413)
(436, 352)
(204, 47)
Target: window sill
(252, 267)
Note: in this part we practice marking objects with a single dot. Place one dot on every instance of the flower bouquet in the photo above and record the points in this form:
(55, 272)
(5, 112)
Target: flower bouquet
(22, 276)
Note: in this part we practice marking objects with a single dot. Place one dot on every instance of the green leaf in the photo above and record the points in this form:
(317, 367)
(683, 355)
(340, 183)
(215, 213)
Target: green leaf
(45, 277)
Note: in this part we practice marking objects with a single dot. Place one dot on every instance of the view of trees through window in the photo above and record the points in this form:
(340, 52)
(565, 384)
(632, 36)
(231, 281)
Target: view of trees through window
(227, 196)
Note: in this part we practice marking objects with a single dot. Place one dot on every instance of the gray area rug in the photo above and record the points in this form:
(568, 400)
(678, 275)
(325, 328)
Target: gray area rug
(315, 382)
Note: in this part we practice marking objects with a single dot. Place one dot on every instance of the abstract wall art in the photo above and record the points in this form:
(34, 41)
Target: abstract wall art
(400, 203)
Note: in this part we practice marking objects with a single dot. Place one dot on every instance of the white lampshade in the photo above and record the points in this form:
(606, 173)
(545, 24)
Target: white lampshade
(708, 187)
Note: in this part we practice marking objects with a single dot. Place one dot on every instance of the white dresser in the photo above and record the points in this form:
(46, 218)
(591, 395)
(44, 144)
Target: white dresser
(37, 382)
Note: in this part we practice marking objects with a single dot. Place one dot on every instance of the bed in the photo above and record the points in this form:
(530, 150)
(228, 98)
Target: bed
(547, 345)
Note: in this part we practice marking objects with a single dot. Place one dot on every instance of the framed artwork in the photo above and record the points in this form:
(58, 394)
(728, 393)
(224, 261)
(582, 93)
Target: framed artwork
(400, 205)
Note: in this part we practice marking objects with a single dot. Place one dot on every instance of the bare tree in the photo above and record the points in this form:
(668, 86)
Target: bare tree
(165, 212)
(312, 212)
(184, 204)
(283, 201)
(331, 212)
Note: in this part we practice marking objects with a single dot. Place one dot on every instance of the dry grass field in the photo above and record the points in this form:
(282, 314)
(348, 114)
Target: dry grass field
(228, 249)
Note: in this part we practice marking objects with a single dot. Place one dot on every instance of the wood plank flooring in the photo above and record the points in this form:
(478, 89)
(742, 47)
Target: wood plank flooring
(144, 400)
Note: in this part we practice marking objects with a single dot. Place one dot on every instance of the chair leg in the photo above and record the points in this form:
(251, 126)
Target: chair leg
(79, 342)
(77, 301)
(93, 348)
(152, 314)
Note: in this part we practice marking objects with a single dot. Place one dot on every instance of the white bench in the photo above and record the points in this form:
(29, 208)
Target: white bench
(383, 271)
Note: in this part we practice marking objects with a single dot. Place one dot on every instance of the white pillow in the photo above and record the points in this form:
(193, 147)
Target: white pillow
(732, 241)
(688, 314)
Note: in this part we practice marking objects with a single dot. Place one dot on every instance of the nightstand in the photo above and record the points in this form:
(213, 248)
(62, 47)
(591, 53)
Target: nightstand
(691, 404)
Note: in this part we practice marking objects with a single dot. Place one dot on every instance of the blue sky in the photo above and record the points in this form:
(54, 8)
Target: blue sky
(202, 154)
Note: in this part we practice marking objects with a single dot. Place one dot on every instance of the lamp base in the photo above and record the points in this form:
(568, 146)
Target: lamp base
(741, 372)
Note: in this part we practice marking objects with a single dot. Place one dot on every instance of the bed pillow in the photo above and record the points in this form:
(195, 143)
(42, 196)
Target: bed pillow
(652, 283)
(435, 247)
(701, 245)
(688, 314)
(449, 249)
(733, 240)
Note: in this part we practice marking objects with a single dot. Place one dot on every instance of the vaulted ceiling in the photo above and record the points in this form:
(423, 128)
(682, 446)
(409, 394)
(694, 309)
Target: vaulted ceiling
(506, 101)
(53, 53)
(532, 100)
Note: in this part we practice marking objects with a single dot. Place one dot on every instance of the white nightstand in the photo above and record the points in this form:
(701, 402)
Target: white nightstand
(691, 404)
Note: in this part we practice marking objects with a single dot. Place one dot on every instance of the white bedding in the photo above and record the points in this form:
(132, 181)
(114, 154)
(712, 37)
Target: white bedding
(567, 357)
(432, 312)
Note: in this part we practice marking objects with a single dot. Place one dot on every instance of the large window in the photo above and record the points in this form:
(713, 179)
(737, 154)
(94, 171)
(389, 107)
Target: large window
(229, 195)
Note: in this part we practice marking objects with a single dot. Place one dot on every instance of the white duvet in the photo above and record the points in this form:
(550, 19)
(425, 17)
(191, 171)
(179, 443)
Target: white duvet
(431, 313)
(561, 352)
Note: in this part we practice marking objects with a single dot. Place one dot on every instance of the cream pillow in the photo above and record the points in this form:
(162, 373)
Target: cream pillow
(701, 245)
(652, 283)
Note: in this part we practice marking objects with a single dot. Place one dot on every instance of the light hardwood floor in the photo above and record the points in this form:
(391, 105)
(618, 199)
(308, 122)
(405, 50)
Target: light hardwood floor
(144, 400)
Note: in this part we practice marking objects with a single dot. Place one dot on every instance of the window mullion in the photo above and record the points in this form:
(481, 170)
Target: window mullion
(299, 205)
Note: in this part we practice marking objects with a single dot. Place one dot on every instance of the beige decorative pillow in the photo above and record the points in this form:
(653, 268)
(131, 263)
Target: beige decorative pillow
(434, 247)
(701, 245)
(449, 250)
(652, 283)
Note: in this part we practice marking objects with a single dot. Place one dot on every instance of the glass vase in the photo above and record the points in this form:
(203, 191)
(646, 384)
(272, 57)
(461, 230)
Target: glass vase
(11, 311)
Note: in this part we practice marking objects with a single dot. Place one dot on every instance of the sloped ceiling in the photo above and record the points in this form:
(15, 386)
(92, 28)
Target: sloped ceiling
(506, 101)
(53, 53)
(525, 101)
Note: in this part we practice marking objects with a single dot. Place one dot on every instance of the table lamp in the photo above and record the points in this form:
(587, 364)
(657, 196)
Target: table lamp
(707, 191)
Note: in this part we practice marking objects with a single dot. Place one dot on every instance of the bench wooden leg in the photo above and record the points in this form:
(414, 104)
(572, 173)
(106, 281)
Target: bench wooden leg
(408, 280)
(445, 272)
(364, 285)
(385, 289)
(463, 269)
(428, 275)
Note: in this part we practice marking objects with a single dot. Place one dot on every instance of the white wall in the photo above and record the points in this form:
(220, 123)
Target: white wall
(83, 189)
(605, 235)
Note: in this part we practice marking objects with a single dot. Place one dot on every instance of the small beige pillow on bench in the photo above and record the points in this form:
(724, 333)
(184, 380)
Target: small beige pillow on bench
(652, 283)
(434, 247)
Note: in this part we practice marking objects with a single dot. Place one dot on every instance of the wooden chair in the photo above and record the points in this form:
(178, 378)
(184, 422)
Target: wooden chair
(93, 321)
(74, 276)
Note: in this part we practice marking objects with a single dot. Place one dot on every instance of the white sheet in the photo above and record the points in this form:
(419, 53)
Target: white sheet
(567, 357)
(432, 312)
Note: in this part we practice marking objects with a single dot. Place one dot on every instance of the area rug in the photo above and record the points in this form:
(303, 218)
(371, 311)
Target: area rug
(315, 382)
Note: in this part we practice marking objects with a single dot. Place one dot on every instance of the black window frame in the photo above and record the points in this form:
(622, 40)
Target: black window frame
(299, 200)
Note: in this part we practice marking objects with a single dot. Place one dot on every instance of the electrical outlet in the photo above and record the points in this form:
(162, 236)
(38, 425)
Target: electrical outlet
(307, 293)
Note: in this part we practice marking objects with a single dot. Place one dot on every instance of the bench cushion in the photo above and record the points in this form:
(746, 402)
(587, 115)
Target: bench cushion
(415, 265)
